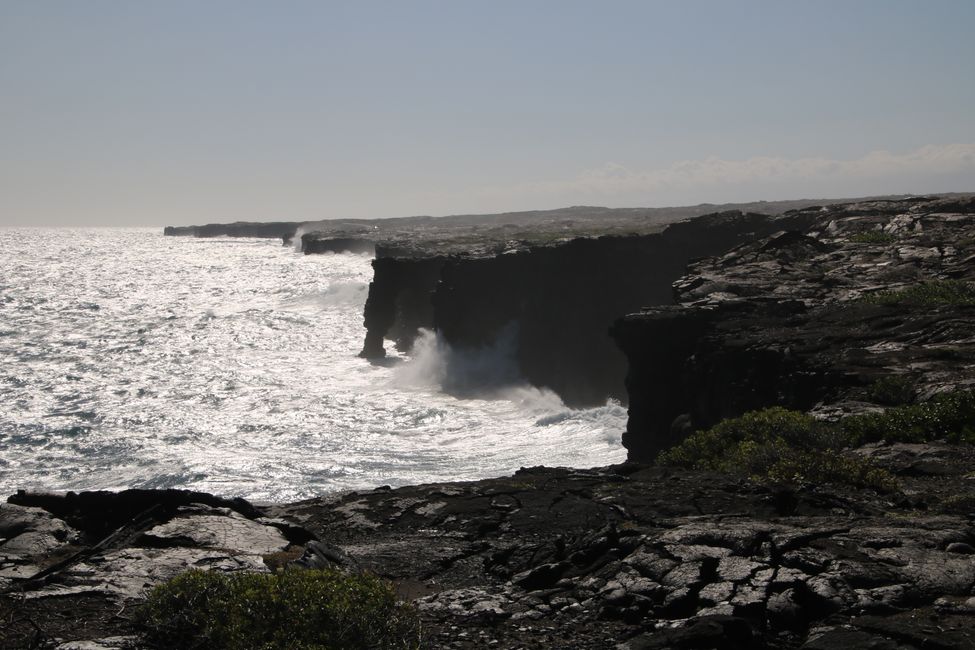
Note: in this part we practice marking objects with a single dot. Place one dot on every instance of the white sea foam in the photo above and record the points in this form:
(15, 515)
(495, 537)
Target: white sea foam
(491, 372)
(338, 294)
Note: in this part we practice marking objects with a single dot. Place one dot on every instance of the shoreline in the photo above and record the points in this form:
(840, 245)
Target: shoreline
(812, 392)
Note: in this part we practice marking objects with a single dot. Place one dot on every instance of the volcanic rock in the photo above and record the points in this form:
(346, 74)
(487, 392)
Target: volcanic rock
(802, 319)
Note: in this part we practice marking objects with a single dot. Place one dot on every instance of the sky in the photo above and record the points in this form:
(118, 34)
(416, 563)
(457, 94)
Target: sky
(140, 113)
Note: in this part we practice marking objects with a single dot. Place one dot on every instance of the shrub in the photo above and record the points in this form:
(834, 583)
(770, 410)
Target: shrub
(788, 446)
(780, 463)
(957, 504)
(929, 294)
(950, 416)
(296, 609)
(710, 449)
(777, 445)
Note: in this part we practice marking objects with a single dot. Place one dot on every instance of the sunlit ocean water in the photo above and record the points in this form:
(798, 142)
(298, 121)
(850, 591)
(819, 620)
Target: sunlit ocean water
(130, 359)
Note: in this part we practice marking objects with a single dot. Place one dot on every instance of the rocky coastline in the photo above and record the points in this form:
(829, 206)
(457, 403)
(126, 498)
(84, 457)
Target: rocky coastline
(837, 311)
(630, 556)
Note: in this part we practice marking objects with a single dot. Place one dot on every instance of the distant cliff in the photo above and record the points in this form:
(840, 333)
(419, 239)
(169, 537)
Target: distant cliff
(846, 301)
(575, 220)
(270, 230)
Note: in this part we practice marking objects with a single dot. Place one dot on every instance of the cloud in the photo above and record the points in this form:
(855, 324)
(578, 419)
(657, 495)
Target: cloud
(874, 172)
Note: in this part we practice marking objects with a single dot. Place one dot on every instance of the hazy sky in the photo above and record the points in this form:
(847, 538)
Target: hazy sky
(176, 112)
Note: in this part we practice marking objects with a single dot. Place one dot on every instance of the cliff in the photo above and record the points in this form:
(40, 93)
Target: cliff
(811, 318)
(560, 296)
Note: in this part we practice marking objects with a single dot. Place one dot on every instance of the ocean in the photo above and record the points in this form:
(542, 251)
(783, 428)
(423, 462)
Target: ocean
(133, 360)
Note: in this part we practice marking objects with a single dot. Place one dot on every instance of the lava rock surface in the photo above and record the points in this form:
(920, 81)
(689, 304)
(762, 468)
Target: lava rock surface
(628, 556)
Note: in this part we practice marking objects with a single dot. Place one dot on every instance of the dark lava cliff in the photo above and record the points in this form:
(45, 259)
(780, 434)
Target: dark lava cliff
(808, 318)
(559, 298)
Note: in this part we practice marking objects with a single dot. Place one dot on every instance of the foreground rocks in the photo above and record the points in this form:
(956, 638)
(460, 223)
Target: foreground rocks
(628, 556)
(70, 566)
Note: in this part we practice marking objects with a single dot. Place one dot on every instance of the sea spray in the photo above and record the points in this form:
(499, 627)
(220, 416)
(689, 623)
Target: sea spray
(296, 242)
(467, 372)
(490, 372)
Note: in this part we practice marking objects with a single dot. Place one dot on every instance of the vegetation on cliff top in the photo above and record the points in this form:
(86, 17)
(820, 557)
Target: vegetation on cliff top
(873, 237)
(295, 609)
(949, 416)
(780, 445)
(927, 294)
(777, 445)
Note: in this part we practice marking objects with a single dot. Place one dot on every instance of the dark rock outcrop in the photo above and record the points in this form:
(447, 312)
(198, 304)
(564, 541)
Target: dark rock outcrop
(399, 301)
(799, 319)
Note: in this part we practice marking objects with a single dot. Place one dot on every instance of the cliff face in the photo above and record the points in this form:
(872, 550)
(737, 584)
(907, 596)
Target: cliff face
(810, 319)
(562, 297)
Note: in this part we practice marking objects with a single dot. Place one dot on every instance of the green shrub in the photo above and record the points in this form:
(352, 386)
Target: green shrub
(950, 416)
(788, 446)
(956, 504)
(931, 294)
(710, 449)
(872, 237)
(777, 445)
(780, 463)
(296, 609)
